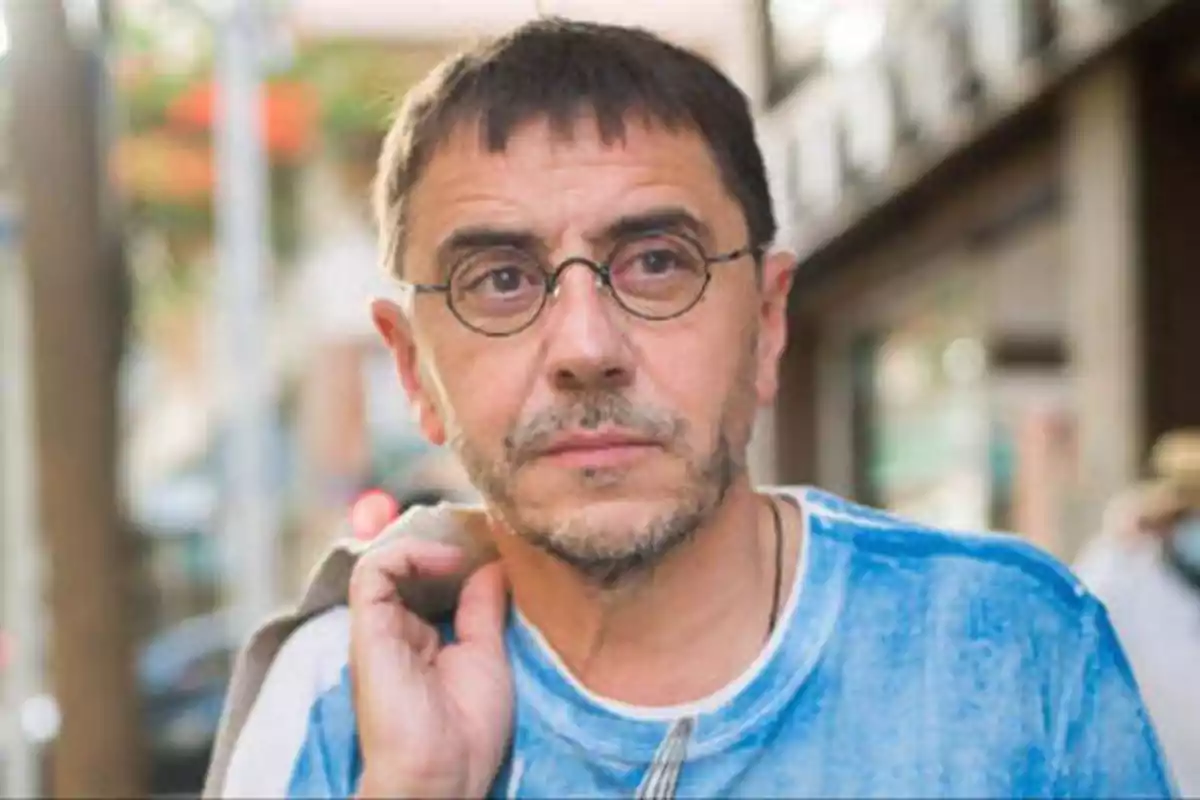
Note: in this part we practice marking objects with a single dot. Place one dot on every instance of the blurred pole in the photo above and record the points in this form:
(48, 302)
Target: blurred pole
(244, 370)
(18, 525)
(76, 319)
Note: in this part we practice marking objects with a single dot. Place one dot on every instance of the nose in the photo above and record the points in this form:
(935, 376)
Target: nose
(586, 347)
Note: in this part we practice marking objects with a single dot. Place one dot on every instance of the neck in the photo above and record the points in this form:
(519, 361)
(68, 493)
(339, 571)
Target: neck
(673, 635)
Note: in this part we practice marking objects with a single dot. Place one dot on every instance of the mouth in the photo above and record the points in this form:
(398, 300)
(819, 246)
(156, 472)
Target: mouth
(598, 449)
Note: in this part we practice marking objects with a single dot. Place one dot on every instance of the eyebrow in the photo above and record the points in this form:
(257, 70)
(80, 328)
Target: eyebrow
(669, 219)
(482, 237)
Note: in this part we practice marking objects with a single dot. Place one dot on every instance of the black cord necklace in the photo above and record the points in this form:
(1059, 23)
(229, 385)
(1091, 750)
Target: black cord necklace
(773, 619)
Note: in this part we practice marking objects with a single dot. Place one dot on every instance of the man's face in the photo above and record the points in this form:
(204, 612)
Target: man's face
(603, 437)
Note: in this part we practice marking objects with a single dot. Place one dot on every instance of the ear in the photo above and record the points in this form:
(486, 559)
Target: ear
(778, 270)
(393, 325)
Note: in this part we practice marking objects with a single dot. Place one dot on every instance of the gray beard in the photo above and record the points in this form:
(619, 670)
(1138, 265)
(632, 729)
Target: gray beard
(707, 482)
(606, 568)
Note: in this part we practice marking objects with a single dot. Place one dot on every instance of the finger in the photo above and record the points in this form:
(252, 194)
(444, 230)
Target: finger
(371, 513)
(377, 571)
(387, 630)
(483, 608)
(404, 641)
(422, 638)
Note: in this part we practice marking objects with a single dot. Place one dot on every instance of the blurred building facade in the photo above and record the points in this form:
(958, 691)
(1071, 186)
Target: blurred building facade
(990, 202)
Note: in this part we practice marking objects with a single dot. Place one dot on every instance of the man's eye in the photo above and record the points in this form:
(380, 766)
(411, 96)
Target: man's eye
(500, 280)
(504, 279)
(657, 257)
(658, 262)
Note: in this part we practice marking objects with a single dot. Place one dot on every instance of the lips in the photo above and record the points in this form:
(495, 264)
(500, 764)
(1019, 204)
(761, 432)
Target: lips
(598, 448)
(600, 440)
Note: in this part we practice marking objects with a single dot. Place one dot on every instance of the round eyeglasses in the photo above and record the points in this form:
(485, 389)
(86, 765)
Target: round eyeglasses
(500, 291)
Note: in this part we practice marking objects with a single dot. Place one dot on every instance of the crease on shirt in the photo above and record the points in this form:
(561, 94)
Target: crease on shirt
(1071, 697)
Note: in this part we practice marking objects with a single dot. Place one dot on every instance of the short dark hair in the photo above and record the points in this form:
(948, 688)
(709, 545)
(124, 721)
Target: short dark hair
(558, 69)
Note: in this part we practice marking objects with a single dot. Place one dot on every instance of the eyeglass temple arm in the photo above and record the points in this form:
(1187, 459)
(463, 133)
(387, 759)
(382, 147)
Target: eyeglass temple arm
(426, 288)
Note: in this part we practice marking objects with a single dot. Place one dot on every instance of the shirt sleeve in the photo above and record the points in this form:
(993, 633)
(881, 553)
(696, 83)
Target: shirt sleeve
(1107, 747)
(300, 736)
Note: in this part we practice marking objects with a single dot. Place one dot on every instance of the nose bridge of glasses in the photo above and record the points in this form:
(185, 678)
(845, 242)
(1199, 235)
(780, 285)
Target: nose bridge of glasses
(583, 315)
(600, 277)
(580, 299)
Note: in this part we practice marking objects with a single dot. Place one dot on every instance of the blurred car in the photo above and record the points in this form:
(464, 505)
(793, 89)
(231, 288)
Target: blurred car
(183, 674)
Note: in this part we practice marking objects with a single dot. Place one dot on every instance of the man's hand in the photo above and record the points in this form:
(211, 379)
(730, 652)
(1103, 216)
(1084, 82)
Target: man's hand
(433, 720)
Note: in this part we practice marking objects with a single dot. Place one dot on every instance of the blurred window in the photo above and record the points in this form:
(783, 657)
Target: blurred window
(921, 420)
(796, 28)
(805, 35)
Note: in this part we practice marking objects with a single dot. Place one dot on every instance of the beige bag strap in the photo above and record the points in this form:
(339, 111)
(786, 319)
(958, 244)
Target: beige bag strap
(327, 588)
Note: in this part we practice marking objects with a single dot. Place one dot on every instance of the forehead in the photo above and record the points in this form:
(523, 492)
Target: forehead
(558, 185)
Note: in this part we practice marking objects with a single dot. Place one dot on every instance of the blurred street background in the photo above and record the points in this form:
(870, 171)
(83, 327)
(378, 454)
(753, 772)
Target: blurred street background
(994, 203)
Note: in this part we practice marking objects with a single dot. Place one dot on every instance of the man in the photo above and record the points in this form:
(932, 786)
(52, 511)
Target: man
(592, 315)
(1145, 567)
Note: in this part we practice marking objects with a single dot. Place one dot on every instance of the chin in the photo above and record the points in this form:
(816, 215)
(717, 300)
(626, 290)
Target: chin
(595, 511)
(614, 513)
(631, 497)
(600, 534)
(613, 522)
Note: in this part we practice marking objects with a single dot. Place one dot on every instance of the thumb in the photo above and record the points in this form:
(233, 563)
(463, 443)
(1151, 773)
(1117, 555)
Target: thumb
(482, 608)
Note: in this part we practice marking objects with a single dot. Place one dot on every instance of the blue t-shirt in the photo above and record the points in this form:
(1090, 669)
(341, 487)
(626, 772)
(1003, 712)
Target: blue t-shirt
(909, 662)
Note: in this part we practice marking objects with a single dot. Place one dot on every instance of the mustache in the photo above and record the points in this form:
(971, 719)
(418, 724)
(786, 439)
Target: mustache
(590, 412)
